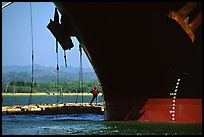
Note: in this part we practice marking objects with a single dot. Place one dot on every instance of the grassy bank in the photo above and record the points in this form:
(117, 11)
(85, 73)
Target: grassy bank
(45, 94)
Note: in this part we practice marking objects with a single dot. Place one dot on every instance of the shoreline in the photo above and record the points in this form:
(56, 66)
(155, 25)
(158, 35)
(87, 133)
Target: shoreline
(45, 94)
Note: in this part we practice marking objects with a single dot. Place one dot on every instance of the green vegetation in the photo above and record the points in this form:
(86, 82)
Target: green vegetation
(46, 76)
(49, 87)
(17, 79)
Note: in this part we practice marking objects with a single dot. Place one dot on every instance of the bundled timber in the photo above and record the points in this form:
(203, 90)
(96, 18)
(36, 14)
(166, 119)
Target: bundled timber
(66, 108)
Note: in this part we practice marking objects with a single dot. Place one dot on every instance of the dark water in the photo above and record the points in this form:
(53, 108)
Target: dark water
(84, 124)
(89, 124)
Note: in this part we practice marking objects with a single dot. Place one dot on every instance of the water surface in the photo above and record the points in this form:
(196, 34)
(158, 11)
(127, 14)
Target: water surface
(82, 124)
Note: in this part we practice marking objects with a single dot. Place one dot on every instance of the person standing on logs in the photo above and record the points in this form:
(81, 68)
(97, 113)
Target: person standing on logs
(95, 93)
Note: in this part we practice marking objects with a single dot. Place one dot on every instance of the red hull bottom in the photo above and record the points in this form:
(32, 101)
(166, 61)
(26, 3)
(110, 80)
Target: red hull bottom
(155, 110)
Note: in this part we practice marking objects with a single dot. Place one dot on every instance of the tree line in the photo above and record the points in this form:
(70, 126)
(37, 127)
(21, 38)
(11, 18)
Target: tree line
(49, 87)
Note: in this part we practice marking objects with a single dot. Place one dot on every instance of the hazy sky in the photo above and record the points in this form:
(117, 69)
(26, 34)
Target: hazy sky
(16, 37)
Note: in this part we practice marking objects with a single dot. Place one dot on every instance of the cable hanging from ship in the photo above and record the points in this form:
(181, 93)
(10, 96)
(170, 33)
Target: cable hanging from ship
(80, 86)
(30, 98)
(65, 58)
(57, 72)
(65, 41)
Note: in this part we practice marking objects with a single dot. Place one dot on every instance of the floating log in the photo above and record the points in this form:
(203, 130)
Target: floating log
(66, 108)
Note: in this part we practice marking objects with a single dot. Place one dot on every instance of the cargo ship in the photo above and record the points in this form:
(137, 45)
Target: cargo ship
(146, 55)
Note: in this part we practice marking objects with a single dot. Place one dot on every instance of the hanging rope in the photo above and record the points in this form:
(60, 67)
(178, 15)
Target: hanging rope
(81, 72)
(80, 86)
(65, 58)
(57, 73)
(30, 98)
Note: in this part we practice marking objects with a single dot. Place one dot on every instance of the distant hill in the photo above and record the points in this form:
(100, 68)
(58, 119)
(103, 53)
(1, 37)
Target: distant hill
(45, 74)
(37, 67)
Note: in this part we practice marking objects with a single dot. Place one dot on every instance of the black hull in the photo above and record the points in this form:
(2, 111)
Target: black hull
(136, 50)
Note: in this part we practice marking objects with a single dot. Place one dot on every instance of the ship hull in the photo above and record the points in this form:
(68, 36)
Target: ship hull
(138, 54)
(155, 110)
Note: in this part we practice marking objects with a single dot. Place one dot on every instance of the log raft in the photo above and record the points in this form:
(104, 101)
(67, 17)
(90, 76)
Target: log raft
(65, 108)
